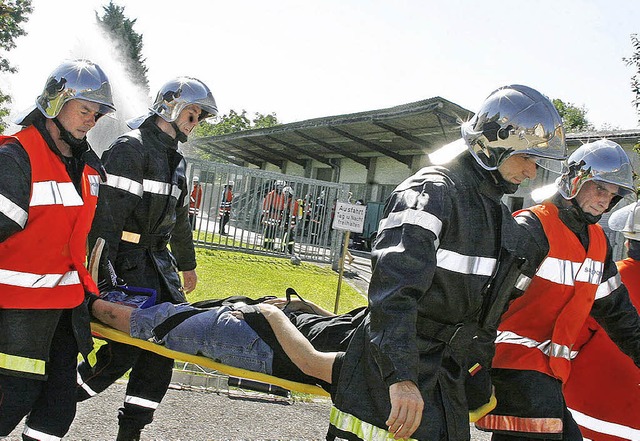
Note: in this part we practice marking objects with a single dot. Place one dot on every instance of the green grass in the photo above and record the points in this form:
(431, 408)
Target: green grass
(224, 273)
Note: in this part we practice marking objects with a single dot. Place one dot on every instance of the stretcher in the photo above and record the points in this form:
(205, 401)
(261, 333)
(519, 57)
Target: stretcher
(104, 332)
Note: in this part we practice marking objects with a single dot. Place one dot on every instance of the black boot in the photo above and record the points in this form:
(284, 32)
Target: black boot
(128, 434)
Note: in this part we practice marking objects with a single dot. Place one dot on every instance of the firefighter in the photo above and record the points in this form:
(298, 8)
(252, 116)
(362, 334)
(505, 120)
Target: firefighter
(602, 390)
(225, 207)
(571, 276)
(48, 194)
(195, 199)
(143, 208)
(438, 244)
(291, 214)
(272, 211)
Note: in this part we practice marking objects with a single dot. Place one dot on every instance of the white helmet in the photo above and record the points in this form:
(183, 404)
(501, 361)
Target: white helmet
(603, 161)
(513, 120)
(73, 79)
(174, 96)
(627, 221)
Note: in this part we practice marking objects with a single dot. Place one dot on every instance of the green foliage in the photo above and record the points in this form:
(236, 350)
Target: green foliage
(129, 42)
(574, 118)
(634, 60)
(13, 14)
(231, 123)
(224, 273)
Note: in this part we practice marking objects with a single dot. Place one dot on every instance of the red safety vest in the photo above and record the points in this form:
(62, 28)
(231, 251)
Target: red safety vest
(540, 328)
(603, 390)
(42, 266)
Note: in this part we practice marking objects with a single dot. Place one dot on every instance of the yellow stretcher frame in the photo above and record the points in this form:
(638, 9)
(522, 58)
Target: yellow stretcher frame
(105, 332)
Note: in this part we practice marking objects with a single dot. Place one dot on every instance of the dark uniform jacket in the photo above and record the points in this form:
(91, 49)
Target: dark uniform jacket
(143, 207)
(437, 246)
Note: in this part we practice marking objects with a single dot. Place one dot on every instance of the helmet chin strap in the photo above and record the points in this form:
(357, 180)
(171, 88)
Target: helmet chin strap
(78, 145)
(180, 136)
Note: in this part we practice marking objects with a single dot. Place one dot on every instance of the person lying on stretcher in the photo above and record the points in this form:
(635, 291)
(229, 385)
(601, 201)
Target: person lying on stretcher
(299, 342)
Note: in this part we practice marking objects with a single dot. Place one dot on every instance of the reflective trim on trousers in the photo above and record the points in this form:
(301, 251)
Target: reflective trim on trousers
(608, 286)
(41, 436)
(605, 427)
(55, 193)
(363, 430)
(13, 211)
(459, 263)
(520, 424)
(22, 364)
(142, 402)
(548, 347)
(30, 280)
(85, 386)
(125, 184)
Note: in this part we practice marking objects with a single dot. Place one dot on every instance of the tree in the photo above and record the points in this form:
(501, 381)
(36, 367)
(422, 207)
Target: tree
(129, 42)
(232, 123)
(13, 14)
(634, 60)
(574, 118)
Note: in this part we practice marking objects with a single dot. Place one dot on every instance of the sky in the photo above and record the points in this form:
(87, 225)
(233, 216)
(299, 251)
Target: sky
(309, 59)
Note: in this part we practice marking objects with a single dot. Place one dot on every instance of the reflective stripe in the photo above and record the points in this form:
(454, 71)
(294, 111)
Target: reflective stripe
(411, 217)
(55, 193)
(30, 280)
(590, 272)
(126, 184)
(523, 282)
(558, 270)
(606, 427)
(13, 211)
(547, 347)
(22, 364)
(459, 263)
(608, 286)
(363, 430)
(519, 424)
(142, 402)
(94, 184)
(41, 436)
(163, 188)
(85, 386)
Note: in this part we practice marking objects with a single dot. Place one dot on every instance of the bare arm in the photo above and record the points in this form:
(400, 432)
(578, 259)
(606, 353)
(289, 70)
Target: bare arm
(112, 314)
(297, 347)
(299, 305)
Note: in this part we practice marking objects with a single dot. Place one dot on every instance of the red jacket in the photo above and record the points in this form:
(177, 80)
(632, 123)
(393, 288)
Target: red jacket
(540, 328)
(42, 266)
(603, 390)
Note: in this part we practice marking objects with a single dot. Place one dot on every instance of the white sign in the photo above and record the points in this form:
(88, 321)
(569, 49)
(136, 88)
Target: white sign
(349, 217)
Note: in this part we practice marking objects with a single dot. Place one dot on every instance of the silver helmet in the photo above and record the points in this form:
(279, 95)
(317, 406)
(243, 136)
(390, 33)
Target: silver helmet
(513, 120)
(602, 161)
(76, 79)
(627, 221)
(177, 94)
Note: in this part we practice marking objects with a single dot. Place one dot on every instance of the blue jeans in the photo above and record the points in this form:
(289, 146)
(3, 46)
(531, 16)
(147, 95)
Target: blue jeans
(214, 334)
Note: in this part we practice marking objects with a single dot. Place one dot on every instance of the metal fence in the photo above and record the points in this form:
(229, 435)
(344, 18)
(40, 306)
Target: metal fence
(264, 219)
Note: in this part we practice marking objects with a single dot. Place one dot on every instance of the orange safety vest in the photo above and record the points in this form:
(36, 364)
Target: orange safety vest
(272, 206)
(225, 203)
(195, 199)
(540, 328)
(42, 266)
(603, 390)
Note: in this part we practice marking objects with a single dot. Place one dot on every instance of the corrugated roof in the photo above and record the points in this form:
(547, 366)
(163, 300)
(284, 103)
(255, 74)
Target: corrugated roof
(400, 132)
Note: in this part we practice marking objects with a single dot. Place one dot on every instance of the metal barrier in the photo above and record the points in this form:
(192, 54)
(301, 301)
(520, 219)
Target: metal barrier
(270, 213)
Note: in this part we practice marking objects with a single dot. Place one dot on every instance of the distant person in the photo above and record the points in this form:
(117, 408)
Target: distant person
(143, 208)
(273, 207)
(224, 210)
(602, 390)
(571, 275)
(290, 217)
(48, 194)
(195, 199)
(438, 245)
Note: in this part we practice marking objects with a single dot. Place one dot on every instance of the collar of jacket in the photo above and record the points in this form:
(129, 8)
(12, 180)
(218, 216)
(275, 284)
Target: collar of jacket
(161, 138)
(487, 182)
